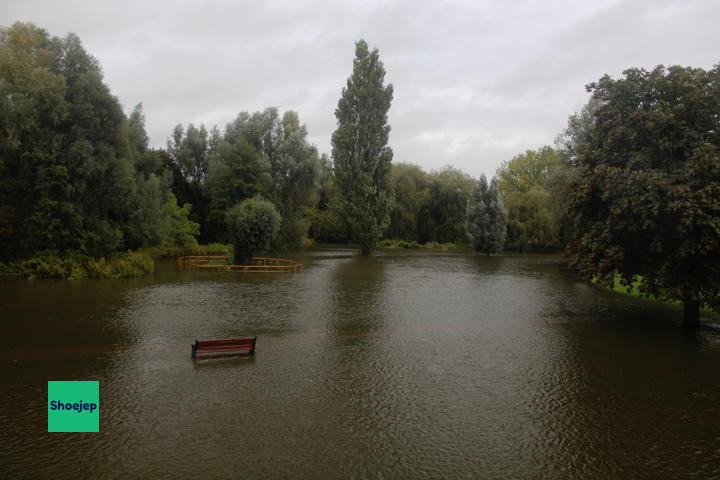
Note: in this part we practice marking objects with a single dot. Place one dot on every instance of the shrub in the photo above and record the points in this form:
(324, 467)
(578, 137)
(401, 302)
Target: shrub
(131, 264)
(74, 266)
(253, 224)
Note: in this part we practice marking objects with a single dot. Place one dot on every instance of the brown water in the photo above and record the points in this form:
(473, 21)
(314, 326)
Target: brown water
(404, 365)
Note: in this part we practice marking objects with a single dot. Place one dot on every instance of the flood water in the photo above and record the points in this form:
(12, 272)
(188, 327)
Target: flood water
(402, 365)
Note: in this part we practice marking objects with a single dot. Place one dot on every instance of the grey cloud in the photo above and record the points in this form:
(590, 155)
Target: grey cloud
(476, 82)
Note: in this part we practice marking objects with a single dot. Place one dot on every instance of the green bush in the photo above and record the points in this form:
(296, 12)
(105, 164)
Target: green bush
(98, 269)
(74, 266)
(131, 264)
(326, 226)
(633, 290)
(253, 224)
(77, 267)
(181, 230)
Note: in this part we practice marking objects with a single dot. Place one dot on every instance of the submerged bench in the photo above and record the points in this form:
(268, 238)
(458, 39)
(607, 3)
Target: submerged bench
(227, 346)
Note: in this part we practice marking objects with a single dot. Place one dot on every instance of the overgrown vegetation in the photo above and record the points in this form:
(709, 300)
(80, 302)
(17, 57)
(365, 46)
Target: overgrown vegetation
(633, 290)
(76, 267)
(119, 265)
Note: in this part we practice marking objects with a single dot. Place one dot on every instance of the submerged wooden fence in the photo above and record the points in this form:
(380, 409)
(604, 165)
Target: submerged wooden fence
(205, 263)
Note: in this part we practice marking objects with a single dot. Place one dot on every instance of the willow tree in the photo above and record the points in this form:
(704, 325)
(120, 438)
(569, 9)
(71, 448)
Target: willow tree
(532, 185)
(646, 200)
(360, 151)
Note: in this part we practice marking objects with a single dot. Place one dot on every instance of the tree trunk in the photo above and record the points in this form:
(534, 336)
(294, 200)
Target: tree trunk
(366, 245)
(691, 312)
(243, 255)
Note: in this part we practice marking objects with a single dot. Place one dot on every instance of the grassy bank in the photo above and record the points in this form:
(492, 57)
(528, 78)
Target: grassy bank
(633, 291)
(128, 264)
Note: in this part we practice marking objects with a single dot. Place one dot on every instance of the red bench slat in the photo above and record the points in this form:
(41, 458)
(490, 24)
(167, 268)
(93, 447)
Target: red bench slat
(227, 345)
(224, 343)
(224, 347)
(227, 340)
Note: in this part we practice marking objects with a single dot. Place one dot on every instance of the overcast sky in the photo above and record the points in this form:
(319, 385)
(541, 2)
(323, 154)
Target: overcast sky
(476, 82)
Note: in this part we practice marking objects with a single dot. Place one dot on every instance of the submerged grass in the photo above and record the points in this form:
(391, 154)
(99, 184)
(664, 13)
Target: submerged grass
(75, 266)
(634, 291)
(388, 244)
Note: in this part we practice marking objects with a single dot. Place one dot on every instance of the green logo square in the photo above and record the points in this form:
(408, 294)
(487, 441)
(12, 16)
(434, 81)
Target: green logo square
(73, 406)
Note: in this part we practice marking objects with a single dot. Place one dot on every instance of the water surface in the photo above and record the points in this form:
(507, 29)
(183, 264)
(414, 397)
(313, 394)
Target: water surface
(402, 365)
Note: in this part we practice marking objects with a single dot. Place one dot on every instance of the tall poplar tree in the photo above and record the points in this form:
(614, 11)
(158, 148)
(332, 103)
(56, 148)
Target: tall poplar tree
(360, 152)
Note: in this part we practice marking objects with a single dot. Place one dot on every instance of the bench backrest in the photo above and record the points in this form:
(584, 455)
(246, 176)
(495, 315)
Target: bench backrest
(226, 342)
(224, 345)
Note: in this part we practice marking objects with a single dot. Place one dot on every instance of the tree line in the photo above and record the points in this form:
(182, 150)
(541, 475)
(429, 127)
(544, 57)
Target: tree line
(78, 174)
(631, 189)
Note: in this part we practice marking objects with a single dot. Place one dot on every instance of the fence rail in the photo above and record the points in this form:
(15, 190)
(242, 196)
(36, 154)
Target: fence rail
(202, 263)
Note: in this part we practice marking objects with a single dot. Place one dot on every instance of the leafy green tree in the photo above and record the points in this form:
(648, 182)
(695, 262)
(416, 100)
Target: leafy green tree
(486, 217)
(137, 136)
(557, 186)
(295, 172)
(574, 137)
(412, 191)
(190, 150)
(36, 205)
(442, 217)
(326, 226)
(359, 147)
(326, 222)
(96, 149)
(529, 170)
(328, 187)
(253, 225)
(66, 171)
(237, 172)
(530, 223)
(147, 224)
(292, 162)
(646, 200)
(180, 230)
(533, 189)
